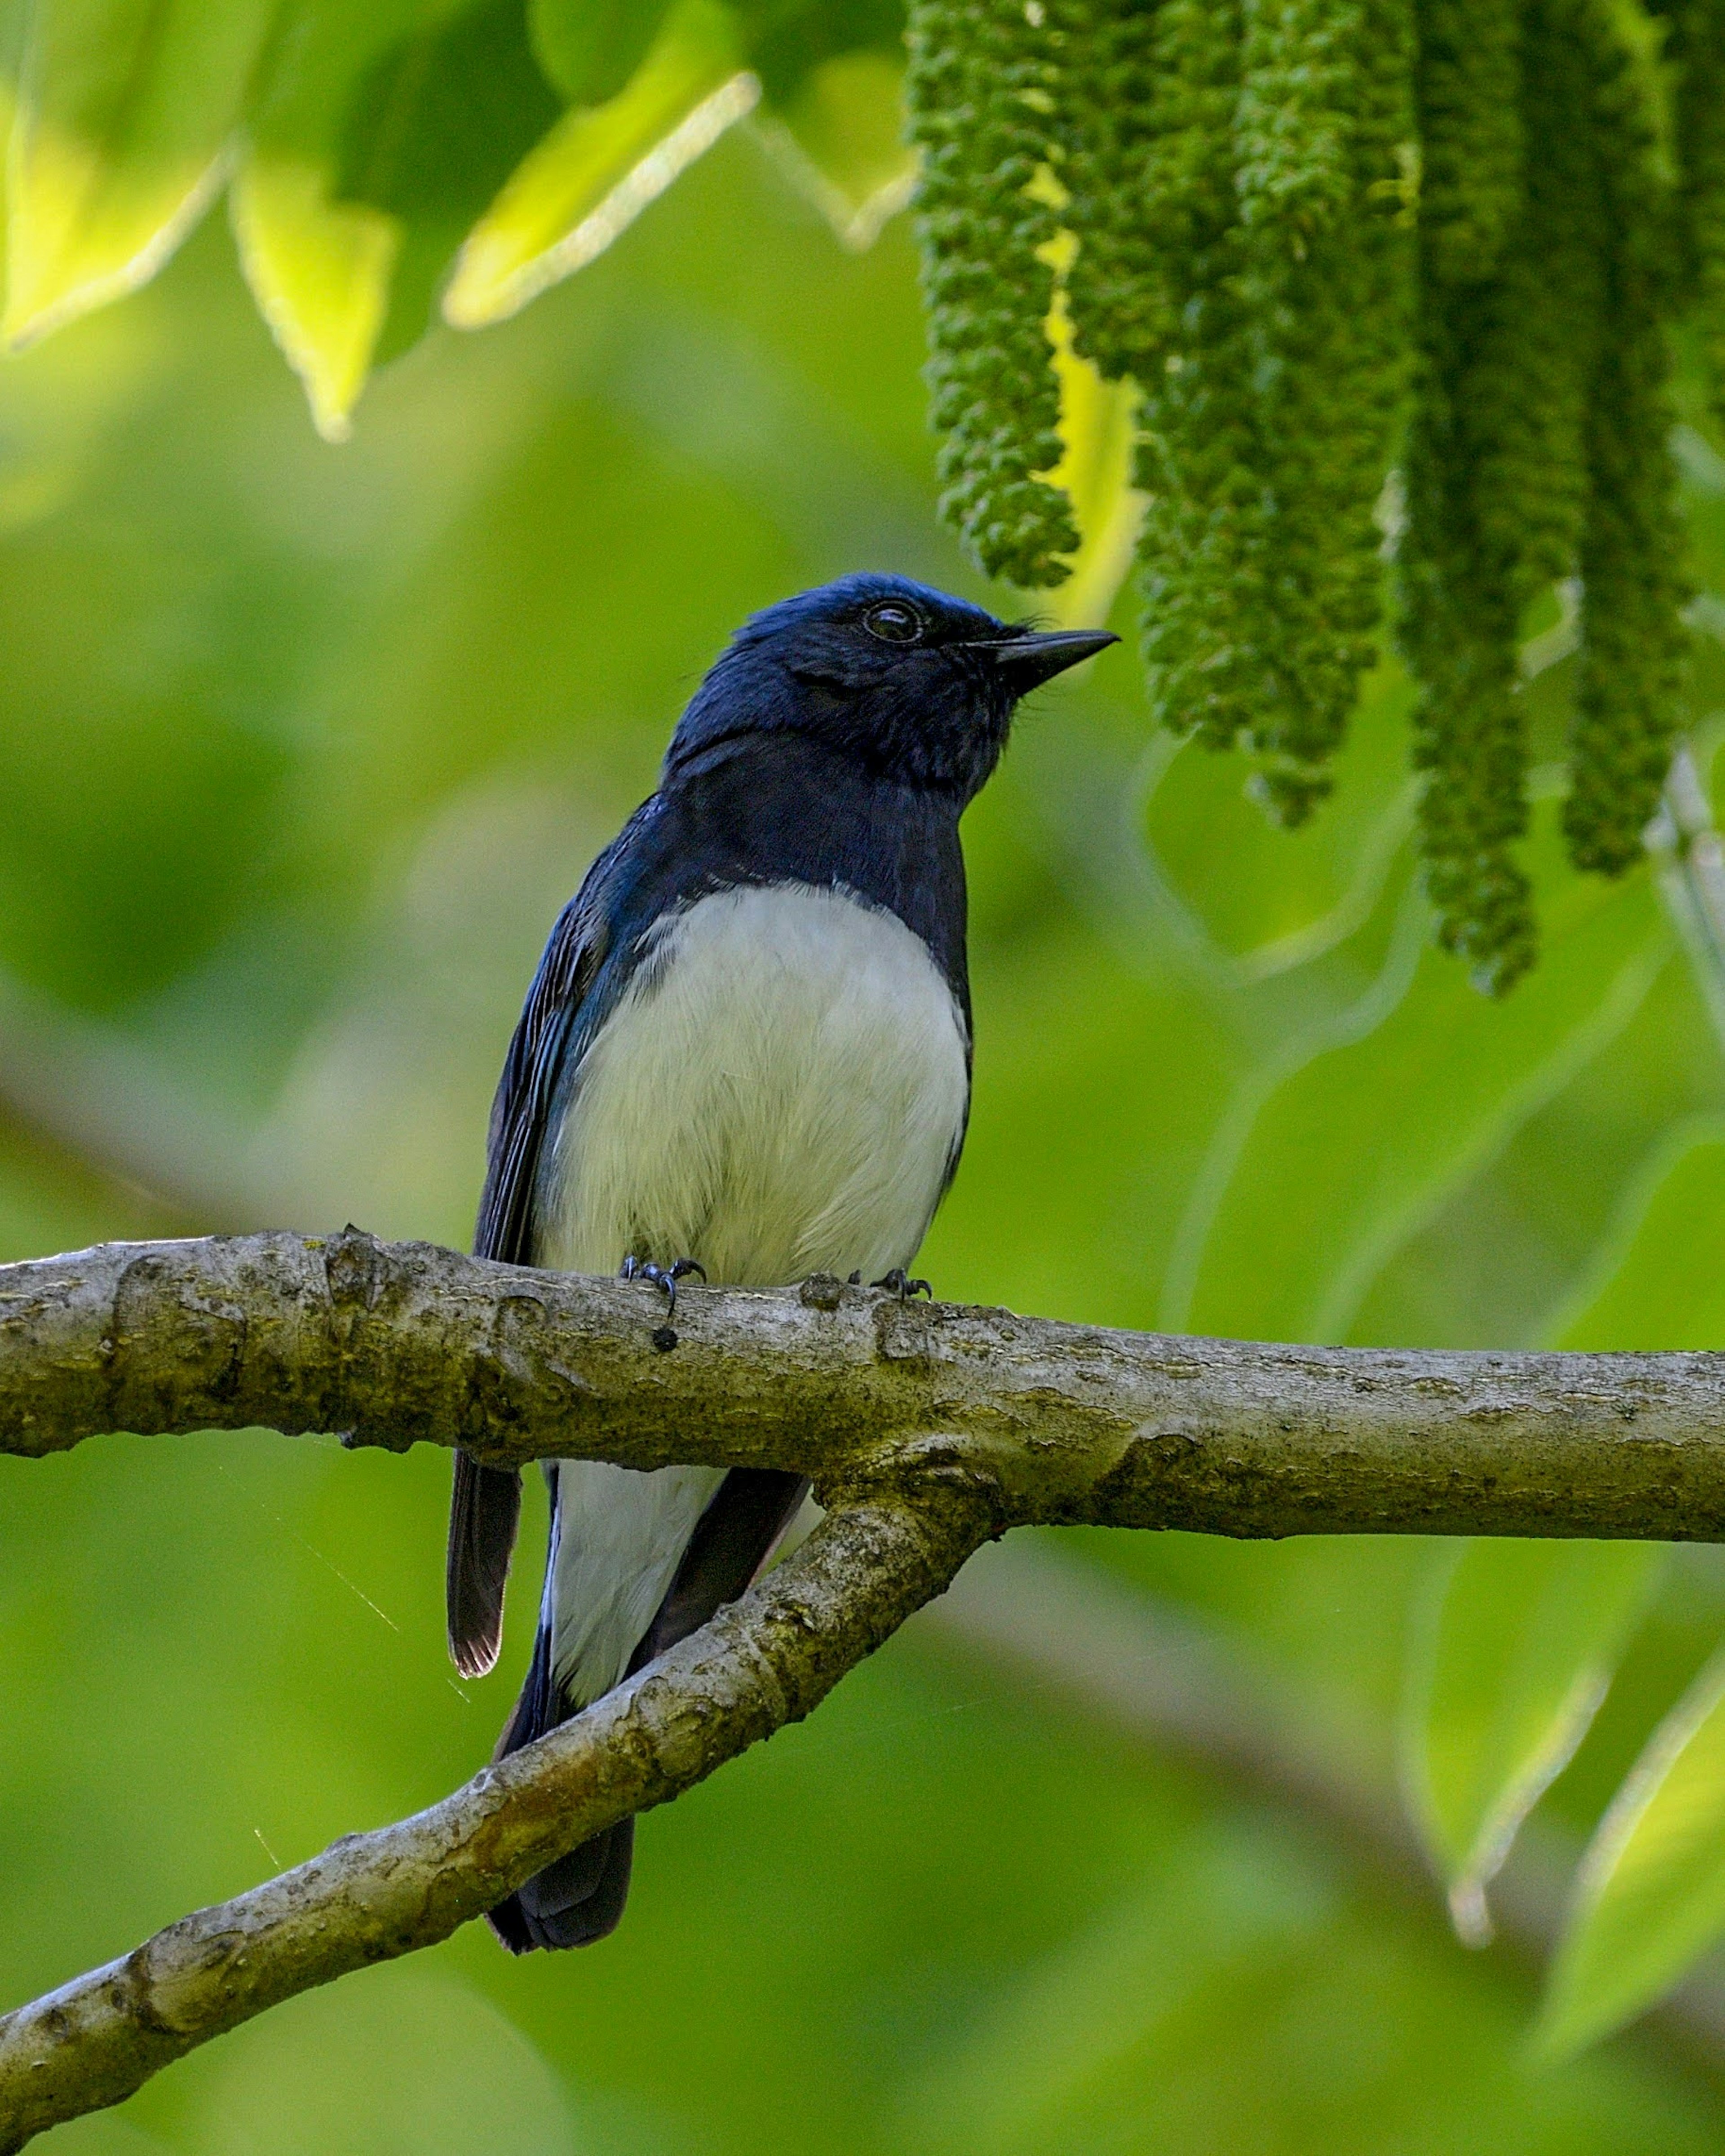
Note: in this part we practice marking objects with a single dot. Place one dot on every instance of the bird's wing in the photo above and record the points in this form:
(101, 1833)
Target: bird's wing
(486, 1507)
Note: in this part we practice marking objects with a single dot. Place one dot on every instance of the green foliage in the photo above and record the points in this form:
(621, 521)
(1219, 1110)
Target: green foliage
(1384, 276)
(1520, 1642)
(1245, 184)
(1650, 1892)
(1287, 1228)
(981, 100)
(120, 112)
(1661, 1280)
(558, 208)
(589, 52)
(368, 146)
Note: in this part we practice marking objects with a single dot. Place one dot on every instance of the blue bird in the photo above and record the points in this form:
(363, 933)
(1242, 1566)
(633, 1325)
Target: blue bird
(747, 1052)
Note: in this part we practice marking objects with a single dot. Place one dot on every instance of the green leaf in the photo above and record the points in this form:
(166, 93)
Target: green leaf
(319, 264)
(597, 169)
(840, 141)
(382, 133)
(786, 40)
(1650, 1895)
(1348, 1142)
(1519, 1645)
(589, 48)
(125, 114)
(320, 271)
(1266, 899)
(1661, 1282)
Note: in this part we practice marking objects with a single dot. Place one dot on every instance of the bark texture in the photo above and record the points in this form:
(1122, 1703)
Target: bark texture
(402, 1343)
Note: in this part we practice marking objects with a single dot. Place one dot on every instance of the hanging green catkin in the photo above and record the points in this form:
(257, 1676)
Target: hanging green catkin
(1323, 135)
(1694, 48)
(1131, 224)
(1626, 705)
(1240, 184)
(980, 93)
(1241, 178)
(1155, 295)
(1497, 478)
(1471, 134)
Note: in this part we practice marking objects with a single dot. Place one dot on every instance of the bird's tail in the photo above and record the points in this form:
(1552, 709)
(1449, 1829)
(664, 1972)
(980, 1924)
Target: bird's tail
(580, 1898)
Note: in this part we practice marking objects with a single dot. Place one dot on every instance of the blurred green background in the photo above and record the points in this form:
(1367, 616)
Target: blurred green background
(300, 748)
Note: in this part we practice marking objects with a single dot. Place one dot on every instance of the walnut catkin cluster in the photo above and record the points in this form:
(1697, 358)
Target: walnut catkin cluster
(1439, 245)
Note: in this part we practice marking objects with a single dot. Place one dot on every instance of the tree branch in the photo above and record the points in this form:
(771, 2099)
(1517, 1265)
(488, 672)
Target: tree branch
(927, 1428)
(401, 1343)
(763, 1661)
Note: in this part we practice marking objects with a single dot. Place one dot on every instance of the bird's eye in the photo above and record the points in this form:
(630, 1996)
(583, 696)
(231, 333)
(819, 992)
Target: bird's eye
(893, 621)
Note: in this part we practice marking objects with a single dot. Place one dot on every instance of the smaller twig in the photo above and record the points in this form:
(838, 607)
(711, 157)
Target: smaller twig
(762, 1662)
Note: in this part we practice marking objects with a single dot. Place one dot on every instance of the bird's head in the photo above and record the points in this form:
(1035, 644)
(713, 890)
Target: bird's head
(913, 684)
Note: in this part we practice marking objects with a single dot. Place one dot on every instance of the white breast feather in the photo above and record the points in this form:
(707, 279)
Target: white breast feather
(778, 1093)
(620, 1539)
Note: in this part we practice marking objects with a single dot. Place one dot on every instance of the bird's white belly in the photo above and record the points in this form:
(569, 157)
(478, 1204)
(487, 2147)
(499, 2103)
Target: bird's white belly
(779, 1092)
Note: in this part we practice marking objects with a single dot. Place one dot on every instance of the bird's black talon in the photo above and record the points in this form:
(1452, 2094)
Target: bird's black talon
(628, 1269)
(898, 1282)
(665, 1276)
(854, 1280)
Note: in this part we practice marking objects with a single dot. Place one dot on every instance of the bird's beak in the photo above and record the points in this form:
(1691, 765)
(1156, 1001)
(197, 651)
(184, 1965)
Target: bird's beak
(1030, 659)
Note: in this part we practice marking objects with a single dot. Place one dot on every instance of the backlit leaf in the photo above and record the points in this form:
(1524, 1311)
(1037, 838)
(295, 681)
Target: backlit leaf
(1519, 1645)
(1650, 1893)
(382, 134)
(599, 168)
(1661, 1280)
(320, 273)
(589, 48)
(1349, 1141)
(1282, 898)
(840, 141)
(1098, 432)
(126, 111)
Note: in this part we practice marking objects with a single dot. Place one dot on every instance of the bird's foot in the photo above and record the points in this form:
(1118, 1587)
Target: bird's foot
(899, 1283)
(664, 1277)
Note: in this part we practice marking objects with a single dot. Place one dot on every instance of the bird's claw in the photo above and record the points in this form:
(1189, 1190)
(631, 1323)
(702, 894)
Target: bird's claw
(898, 1282)
(664, 1277)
